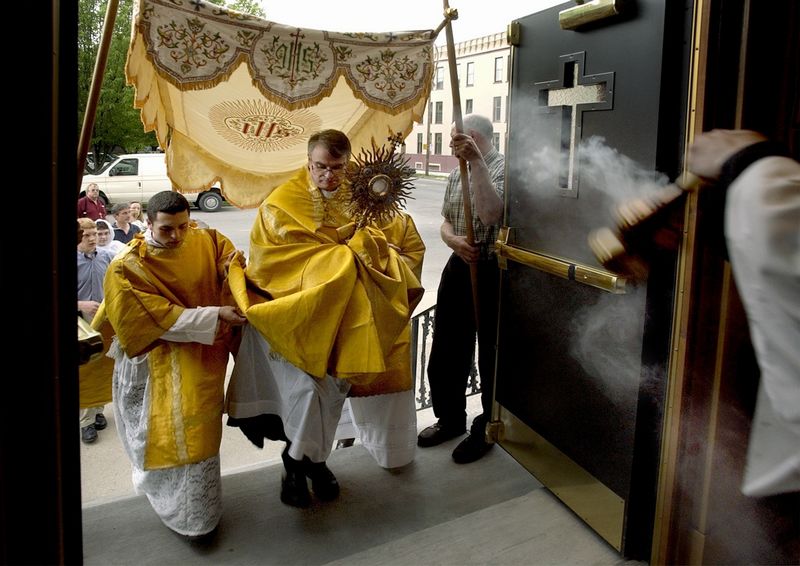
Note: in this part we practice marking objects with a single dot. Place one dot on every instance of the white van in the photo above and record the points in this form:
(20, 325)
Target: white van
(138, 176)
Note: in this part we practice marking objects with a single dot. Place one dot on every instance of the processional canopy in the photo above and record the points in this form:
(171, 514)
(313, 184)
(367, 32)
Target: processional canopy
(234, 98)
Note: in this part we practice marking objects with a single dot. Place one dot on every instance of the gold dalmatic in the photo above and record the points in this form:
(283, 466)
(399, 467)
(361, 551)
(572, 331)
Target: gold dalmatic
(146, 290)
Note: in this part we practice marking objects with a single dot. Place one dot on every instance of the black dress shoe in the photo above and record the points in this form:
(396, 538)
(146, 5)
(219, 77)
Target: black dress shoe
(100, 421)
(323, 482)
(88, 434)
(438, 433)
(472, 448)
(294, 489)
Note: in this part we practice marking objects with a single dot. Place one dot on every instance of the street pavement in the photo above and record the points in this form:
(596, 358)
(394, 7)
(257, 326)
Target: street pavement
(105, 469)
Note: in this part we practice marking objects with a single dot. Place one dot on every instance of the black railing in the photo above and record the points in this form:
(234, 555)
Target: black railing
(421, 339)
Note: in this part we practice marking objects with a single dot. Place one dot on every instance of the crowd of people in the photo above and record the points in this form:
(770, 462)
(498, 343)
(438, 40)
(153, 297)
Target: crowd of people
(98, 242)
(317, 315)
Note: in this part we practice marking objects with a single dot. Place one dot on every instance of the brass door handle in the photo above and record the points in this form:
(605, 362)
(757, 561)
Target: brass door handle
(560, 267)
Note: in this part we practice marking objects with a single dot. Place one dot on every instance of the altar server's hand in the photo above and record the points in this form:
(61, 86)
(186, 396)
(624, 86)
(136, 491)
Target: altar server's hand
(232, 315)
(710, 150)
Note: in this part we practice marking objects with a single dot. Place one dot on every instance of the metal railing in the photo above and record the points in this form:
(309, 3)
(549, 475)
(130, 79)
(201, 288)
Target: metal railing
(421, 340)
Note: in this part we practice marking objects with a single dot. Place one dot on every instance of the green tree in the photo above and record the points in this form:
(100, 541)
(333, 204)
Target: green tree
(252, 7)
(117, 124)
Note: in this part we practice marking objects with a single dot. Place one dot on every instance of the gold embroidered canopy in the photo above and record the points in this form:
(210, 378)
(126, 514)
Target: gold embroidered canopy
(234, 98)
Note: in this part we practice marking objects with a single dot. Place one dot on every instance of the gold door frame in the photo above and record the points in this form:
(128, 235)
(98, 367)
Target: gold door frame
(666, 528)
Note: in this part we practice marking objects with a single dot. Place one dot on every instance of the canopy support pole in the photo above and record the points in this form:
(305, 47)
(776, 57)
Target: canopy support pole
(451, 14)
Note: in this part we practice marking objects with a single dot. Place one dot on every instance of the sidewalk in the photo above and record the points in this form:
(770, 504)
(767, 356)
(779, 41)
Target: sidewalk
(106, 470)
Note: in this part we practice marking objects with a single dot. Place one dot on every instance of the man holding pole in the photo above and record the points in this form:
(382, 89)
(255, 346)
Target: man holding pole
(455, 323)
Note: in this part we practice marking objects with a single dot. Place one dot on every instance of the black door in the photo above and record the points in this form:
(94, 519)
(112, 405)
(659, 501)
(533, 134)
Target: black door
(595, 114)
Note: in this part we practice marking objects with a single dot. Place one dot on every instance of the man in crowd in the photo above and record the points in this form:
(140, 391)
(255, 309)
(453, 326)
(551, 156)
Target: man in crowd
(92, 206)
(124, 231)
(455, 326)
(329, 308)
(165, 298)
(95, 377)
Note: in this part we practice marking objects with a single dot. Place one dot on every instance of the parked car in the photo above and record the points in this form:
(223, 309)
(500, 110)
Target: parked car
(139, 176)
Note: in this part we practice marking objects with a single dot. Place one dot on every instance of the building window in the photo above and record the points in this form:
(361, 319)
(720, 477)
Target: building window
(439, 77)
(439, 112)
(498, 69)
(419, 142)
(470, 74)
(496, 141)
(437, 144)
(468, 109)
(497, 109)
(508, 66)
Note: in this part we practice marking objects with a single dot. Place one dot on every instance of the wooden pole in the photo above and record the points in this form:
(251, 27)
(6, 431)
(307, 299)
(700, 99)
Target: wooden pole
(459, 126)
(97, 83)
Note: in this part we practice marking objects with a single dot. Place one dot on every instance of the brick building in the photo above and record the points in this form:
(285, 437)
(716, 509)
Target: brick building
(483, 70)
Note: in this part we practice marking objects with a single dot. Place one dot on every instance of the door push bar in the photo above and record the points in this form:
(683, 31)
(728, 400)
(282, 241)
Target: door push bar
(587, 275)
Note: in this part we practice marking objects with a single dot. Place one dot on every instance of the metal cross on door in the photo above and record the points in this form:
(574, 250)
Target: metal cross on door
(573, 94)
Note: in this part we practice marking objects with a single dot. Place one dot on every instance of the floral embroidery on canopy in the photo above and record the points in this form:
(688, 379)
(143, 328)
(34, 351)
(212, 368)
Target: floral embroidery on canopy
(233, 98)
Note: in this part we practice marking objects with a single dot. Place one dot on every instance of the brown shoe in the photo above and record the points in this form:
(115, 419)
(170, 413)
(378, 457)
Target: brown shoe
(438, 433)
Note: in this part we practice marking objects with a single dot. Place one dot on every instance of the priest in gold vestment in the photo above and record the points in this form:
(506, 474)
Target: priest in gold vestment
(164, 297)
(329, 308)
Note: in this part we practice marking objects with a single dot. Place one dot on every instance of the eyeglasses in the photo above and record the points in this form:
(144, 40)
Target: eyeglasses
(332, 169)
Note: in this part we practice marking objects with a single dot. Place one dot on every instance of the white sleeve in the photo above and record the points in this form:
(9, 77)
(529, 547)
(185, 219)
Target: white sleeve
(762, 230)
(194, 325)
